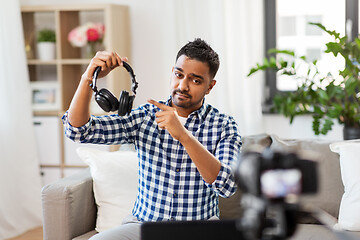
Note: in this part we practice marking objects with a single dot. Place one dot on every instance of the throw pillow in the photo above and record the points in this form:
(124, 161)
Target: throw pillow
(115, 178)
(349, 217)
(329, 177)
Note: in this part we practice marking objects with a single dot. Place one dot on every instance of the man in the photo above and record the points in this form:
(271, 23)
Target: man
(185, 146)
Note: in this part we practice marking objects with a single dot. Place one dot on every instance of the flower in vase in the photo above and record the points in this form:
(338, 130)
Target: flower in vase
(87, 33)
(92, 35)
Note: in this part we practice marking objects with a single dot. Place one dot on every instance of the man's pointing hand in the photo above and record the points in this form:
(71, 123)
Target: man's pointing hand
(168, 119)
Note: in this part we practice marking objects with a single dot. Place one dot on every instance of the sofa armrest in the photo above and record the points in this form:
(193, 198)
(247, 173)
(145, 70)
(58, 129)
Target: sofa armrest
(69, 208)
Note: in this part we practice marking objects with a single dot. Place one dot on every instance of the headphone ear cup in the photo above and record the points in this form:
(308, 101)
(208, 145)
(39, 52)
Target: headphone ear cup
(124, 102)
(131, 101)
(103, 103)
(106, 100)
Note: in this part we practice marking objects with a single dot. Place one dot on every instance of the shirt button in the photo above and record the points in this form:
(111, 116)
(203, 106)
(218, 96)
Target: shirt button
(177, 170)
(172, 219)
(174, 195)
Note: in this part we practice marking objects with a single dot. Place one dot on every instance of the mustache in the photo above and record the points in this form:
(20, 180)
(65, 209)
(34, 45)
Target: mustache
(181, 92)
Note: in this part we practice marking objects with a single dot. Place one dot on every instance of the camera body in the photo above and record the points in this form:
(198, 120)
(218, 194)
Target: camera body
(271, 183)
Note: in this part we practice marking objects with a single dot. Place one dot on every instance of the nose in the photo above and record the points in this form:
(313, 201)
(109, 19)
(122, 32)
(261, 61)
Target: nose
(184, 84)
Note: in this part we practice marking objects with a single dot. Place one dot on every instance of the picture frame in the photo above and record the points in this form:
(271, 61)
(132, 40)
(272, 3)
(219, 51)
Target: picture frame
(45, 96)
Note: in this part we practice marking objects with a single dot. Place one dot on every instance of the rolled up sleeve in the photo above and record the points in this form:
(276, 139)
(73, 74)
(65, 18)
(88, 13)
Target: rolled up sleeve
(75, 133)
(108, 129)
(226, 152)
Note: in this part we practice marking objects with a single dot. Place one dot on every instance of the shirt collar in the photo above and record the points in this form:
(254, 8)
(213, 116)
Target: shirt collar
(200, 113)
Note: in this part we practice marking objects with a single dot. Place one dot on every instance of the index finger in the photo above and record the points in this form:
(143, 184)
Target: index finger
(119, 59)
(159, 105)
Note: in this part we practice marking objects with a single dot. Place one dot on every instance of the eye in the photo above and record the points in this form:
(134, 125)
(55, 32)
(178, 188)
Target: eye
(179, 75)
(197, 81)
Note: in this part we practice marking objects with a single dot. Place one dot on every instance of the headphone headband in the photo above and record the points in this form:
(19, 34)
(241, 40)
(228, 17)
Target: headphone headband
(107, 101)
(134, 84)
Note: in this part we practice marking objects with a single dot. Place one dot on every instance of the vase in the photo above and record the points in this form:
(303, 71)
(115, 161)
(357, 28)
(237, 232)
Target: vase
(45, 51)
(92, 48)
(350, 133)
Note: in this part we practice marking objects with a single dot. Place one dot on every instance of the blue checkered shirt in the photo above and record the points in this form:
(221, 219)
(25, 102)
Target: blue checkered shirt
(170, 186)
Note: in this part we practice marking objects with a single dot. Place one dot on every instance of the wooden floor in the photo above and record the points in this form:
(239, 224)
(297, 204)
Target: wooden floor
(33, 234)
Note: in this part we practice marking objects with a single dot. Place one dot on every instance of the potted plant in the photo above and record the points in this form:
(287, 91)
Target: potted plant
(324, 97)
(46, 44)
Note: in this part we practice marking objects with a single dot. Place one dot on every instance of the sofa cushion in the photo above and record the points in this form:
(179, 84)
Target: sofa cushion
(349, 217)
(261, 140)
(115, 181)
(312, 232)
(86, 236)
(330, 186)
(68, 206)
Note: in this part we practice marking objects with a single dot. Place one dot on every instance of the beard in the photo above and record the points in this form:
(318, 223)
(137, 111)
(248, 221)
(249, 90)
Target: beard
(184, 99)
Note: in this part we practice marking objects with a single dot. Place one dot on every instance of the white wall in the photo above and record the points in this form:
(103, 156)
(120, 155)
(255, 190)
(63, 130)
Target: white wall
(300, 128)
(154, 47)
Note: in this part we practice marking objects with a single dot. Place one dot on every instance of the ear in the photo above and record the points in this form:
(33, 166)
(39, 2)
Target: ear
(211, 85)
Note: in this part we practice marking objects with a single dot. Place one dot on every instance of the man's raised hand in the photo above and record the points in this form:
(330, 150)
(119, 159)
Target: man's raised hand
(106, 60)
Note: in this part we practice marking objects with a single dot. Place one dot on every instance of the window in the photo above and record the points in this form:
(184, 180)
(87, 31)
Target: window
(286, 27)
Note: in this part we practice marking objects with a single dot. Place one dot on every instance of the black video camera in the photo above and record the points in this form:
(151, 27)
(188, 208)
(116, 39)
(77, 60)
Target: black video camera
(271, 183)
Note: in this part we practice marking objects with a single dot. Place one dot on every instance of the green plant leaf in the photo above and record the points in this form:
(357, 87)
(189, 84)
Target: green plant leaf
(327, 126)
(335, 111)
(357, 41)
(332, 33)
(351, 84)
(273, 61)
(323, 95)
(277, 51)
(266, 63)
(316, 124)
(318, 110)
(252, 71)
(333, 47)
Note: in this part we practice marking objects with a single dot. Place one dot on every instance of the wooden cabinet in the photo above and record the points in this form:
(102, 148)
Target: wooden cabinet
(53, 82)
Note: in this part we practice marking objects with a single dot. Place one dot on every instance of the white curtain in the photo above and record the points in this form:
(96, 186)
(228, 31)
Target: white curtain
(234, 28)
(20, 204)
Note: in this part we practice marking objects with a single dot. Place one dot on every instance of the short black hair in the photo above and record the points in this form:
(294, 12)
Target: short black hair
(201, 51)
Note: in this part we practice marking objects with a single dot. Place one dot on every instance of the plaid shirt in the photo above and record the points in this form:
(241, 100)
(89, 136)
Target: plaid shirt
(170, 186)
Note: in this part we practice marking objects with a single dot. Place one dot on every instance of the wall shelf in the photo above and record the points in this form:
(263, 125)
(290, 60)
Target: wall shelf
(41, 62)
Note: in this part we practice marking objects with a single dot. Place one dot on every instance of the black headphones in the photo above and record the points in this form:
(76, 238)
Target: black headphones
(108, 102)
